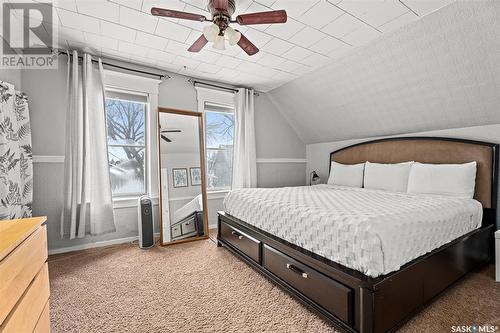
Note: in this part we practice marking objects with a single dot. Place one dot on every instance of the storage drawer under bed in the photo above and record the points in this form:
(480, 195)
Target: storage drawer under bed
(328, 293)
(240, 240)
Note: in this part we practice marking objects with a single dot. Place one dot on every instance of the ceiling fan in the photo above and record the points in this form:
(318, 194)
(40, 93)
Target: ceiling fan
(221, 11)
(164, 137)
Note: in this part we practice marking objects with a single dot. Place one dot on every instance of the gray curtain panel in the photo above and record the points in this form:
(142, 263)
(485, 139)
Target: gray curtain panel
(87, 201)
(16, 160)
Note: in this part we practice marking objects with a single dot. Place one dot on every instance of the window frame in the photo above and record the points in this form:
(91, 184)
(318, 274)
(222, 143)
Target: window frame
(146, 141)
(207, 149)
(221, 97)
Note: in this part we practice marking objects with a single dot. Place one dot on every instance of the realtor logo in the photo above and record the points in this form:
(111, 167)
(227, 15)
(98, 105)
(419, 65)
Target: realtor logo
(26, 41)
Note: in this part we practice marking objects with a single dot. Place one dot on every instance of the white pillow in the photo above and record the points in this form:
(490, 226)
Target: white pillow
(389, 177)
(346, 174)
(457, 180)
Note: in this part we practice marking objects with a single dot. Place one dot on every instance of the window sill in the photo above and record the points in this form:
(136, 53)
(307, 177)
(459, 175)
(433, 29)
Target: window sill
(131, 202)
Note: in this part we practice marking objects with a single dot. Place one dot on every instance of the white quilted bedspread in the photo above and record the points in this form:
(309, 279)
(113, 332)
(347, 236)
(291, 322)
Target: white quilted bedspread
(374, 232)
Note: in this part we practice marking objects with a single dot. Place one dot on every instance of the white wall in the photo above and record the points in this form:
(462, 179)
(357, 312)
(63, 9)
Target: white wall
(318, 154)
(46, 90)
(12, 76)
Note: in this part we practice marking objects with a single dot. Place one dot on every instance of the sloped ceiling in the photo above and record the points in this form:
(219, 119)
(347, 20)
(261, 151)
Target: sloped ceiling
(440, 72)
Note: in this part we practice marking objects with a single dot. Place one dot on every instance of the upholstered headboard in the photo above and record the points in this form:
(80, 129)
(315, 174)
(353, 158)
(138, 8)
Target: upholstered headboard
(432, 150)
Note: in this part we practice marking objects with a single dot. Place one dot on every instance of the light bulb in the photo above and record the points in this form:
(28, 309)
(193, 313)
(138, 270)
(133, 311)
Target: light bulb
(219, 43)
(233, 36)
(211, 32)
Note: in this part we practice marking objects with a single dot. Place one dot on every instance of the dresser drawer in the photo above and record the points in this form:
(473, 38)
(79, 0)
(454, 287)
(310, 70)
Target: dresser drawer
(188, 227)
(329, 294)
(240, 240)
(18, 269)
(43, 324)
(25, 315)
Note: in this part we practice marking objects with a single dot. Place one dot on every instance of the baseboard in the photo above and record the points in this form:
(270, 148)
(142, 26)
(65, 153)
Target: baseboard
(96, 244)
(212, 226)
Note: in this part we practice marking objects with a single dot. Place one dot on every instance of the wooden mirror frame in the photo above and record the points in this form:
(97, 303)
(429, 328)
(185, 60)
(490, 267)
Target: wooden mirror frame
(202, 171)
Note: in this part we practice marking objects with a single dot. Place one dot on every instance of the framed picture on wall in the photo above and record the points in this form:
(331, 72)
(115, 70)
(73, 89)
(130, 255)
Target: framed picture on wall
(195, 176)
(180, 177)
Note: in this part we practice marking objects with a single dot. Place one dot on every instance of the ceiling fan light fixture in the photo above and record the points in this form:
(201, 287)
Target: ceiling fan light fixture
(211, 32)
(233, 36)
(220, 43)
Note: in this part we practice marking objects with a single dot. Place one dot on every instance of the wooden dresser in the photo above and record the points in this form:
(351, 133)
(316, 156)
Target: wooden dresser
(24, 276)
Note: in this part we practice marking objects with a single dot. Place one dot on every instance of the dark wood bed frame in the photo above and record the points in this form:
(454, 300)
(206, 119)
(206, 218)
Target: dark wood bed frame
(350, 300)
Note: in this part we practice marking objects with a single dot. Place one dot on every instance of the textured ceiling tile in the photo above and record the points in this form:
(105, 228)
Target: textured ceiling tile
(78, 21)
(101, 41)
(132, 49)
(170, 4)
(285, 30)
(208, 68)
(307, 37)
(177, 48)
(321, 14)
(134, 4)
(152, 41)
(162, 56)
(398, 22)
(228, 62)
(100, 9)
(117, 31)
(137, 20)
(361, 36)
(423, 7)
(294, 8)
(327, 45)
(374, 12)
(174, 31)
(277, 46)
(343, 25)
(66, 4)
(297, 53)
(270, 60)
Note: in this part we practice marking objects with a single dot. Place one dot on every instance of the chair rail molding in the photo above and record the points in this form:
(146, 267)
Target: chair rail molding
(281, 160)
(48, 158)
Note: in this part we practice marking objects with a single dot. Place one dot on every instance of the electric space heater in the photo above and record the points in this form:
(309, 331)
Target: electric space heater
(145, 218)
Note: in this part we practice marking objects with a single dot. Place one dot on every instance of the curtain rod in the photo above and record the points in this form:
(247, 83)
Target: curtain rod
(194, 82)
(161, 76)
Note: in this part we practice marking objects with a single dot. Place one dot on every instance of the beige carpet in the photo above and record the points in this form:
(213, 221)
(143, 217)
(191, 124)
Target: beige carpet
(197, 287)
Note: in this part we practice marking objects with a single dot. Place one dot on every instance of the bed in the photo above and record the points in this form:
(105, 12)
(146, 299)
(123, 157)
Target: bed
(187, 221)
(368, 260)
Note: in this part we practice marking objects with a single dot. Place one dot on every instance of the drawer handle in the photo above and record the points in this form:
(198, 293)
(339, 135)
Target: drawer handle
(297, 270)
(235, 234)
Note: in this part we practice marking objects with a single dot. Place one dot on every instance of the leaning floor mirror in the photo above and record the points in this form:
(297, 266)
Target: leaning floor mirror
(181, 159)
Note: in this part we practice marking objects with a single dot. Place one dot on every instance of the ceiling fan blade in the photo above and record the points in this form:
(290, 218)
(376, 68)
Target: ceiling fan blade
(198, 44)
(165, 138)
(247, 46)
(275, 16)
(176, 14)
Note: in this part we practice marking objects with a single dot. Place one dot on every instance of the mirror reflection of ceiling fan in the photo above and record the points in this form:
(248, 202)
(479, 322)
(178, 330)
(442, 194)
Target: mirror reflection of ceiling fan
(164, 137)
(219, 31)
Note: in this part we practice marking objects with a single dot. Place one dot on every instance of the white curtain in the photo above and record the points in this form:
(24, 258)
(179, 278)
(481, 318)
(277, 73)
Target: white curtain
(88, 206)
(244, 159)
(16, 162)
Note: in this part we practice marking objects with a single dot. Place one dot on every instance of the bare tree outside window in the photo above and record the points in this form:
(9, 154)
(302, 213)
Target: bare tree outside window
(219, 136)
(126, 145)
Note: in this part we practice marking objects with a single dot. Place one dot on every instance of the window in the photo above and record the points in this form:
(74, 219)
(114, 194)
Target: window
(219, 132)
(126, 133)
